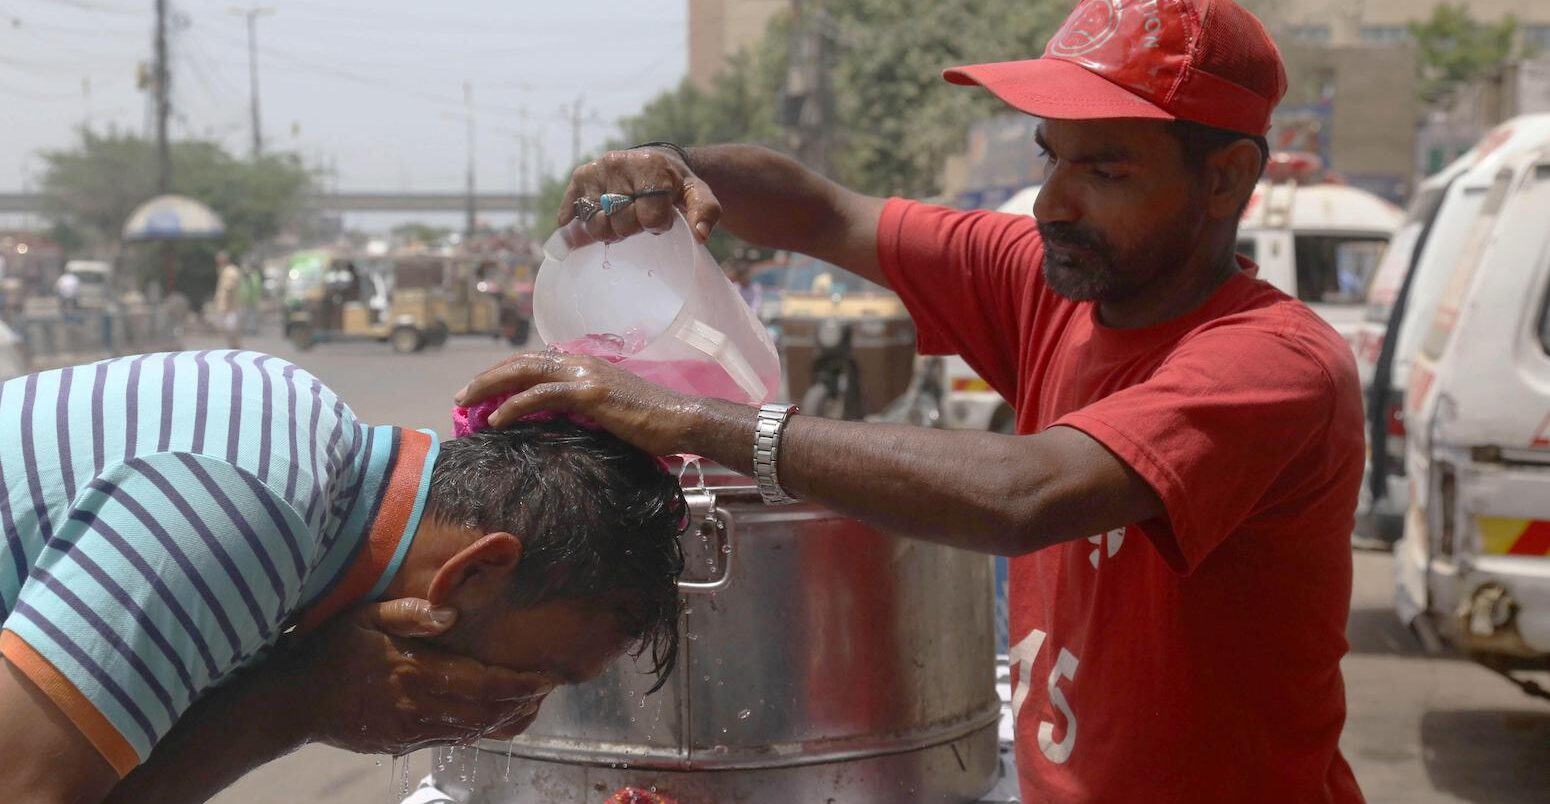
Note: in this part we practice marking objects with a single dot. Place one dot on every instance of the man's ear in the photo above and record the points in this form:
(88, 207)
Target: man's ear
(476, 575)
(1232, 173)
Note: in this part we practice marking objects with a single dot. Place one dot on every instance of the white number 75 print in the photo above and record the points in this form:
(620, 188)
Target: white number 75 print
(1022, 657)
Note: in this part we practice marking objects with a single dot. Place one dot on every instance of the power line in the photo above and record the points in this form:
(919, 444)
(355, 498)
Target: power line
(252, 14)
(98, 8)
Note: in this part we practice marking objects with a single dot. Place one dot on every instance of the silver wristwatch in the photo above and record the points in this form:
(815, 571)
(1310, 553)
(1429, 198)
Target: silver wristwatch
(766, 452)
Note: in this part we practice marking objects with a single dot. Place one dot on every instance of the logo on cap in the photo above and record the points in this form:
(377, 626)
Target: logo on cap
(1088, 28)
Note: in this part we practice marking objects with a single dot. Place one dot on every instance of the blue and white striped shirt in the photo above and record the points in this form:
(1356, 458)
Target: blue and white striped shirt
(167, 516)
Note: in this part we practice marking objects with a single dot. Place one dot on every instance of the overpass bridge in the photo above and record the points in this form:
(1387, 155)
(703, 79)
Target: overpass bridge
(358, 201)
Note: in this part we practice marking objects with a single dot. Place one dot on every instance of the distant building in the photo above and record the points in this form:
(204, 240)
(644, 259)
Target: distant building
(1387, 22)
(1379, 25)
(718, 29)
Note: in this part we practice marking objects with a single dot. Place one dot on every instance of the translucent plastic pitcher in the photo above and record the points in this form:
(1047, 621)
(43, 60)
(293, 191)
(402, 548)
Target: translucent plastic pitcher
(659, 306)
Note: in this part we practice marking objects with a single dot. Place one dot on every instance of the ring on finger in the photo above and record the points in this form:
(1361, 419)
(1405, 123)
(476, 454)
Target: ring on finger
(613, 202)
(585, 209)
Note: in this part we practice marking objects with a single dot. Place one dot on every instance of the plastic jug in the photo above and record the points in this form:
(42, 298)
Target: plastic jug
(658, 305)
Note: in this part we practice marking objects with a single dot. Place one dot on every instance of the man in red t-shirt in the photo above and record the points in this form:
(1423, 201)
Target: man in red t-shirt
(1179, 504)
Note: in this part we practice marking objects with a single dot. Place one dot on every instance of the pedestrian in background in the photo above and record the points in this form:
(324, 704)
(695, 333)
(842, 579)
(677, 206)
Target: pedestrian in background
(249, 296)
(228, 289)
(68, 288)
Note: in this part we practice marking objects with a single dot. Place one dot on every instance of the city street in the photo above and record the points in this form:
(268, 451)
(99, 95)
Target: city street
(1421, 729)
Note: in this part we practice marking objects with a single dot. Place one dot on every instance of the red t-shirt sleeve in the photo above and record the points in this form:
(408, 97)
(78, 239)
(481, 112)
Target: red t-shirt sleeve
(1223, 421)
(971, 281)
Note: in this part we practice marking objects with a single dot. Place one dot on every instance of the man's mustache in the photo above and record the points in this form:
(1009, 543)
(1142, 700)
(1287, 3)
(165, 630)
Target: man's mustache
(1071, 235)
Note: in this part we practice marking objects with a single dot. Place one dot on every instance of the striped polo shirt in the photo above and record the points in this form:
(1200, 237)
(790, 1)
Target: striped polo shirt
(166, 517)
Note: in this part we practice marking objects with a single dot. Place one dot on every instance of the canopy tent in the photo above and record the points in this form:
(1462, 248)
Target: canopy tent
(173, 217)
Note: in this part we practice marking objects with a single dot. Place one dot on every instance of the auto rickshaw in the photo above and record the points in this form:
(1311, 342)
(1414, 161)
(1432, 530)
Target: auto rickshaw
(847, 345)
(485, 297)
(336, 297)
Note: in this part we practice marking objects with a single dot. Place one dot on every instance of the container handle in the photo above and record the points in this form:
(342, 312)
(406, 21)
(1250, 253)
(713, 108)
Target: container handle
(703, 516)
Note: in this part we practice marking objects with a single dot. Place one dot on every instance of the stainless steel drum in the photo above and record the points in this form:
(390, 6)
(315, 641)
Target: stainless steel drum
(820, 661)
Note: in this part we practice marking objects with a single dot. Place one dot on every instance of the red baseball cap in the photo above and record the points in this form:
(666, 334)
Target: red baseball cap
(1206, 61)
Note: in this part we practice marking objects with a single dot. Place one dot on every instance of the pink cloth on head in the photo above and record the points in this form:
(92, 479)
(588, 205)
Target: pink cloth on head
(476, 418)
(612, 348)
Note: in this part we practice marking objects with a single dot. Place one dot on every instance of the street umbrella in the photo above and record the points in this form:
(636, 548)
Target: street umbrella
(173, 217)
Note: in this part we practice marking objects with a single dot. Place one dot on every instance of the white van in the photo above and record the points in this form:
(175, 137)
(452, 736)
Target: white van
(1320, 243)
(95, 278)
(1403, 301)
(1473, 566)
(968, 403)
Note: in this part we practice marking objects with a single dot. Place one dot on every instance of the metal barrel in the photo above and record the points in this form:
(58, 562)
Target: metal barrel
(820, 660)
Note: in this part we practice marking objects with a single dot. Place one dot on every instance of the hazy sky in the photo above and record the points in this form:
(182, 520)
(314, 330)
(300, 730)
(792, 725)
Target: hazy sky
(376, 85)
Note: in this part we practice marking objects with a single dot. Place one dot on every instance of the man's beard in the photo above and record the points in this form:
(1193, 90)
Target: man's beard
(1089, 272)
(1094, 269)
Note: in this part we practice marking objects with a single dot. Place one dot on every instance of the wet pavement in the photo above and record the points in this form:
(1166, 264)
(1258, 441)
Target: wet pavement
(1421, 729)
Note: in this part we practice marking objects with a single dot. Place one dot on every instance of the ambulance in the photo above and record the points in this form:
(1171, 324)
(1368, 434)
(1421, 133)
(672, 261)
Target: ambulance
(1316, 239)
(968, 402)
(1473, 565)
(1403, 301)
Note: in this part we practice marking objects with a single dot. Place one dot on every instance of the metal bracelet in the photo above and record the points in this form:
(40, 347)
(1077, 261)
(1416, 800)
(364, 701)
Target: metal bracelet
(768, 430)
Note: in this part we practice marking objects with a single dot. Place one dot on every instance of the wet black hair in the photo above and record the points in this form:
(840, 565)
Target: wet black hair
(596, 516)
(1199, 141)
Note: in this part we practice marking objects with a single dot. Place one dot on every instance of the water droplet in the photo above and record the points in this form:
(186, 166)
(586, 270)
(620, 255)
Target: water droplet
(718, 661)
(704, 678)
(726, 548)
(723, 730)
(378, 763)
(691, 636)
(743, 715)
(651, 273)
(719, 750)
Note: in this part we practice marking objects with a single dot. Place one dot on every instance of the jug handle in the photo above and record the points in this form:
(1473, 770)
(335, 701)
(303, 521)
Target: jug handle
(703, 511)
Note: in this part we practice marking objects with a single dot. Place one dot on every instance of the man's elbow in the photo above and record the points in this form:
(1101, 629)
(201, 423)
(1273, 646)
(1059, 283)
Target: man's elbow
(1022, 521)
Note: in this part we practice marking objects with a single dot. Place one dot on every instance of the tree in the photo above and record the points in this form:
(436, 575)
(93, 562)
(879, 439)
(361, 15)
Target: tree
(89, 191)
(1455, 50)
(899, 120)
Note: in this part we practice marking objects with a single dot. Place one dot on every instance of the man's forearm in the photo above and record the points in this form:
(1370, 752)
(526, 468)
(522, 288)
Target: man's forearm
(226, 734)
(771, 200)
(978, 491)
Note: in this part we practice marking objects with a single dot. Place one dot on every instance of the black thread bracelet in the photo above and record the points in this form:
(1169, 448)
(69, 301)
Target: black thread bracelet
(672, 146)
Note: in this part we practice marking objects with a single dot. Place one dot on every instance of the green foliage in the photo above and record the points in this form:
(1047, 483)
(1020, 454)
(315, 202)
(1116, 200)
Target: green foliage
(741, 105)
(1455, 49)
(899, 119)
(89, 191)
(896, 119)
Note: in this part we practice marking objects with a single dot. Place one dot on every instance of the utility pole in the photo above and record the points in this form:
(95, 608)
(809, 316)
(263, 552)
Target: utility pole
(809, 99)
(163, 89)
(524, 187)
(524, 140)
(468, 202)
(574, 113)
(86, 95)
(252, 14)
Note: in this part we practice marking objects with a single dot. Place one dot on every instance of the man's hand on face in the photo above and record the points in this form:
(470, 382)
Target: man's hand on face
(652, 418)
(641, 170)
(371, 685)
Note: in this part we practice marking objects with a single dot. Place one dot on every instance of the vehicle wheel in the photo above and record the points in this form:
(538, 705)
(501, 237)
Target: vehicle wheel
(406, 339)
(301, 336)
(436, 336)
(519, 331)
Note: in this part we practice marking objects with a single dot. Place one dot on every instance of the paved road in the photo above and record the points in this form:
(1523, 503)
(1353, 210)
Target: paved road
(1422, 730)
